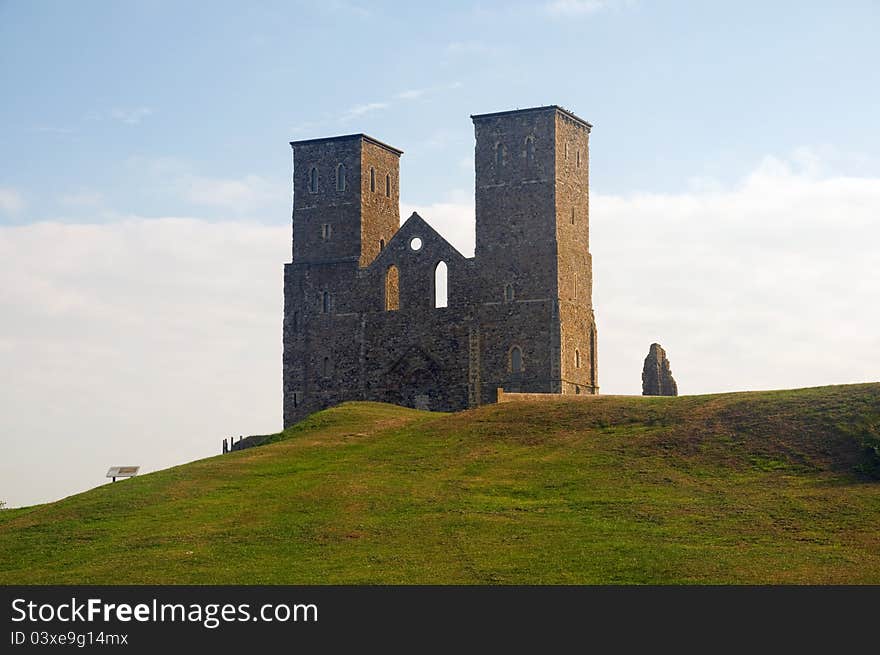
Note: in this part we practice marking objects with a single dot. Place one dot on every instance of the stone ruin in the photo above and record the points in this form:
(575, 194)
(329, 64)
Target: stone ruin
(376, 310)
(657, 377)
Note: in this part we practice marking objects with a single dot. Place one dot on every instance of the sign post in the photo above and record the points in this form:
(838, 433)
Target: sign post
(122, 472)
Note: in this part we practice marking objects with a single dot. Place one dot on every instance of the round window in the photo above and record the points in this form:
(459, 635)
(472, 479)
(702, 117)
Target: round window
(416, 243)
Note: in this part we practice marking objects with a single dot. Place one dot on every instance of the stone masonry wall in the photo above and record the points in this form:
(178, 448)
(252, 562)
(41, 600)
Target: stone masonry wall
(326, 206)
(519, 313)
(381, 201)
(575, 266)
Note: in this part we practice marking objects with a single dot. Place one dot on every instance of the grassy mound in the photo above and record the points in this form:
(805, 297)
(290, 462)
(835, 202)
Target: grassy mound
(751, 487)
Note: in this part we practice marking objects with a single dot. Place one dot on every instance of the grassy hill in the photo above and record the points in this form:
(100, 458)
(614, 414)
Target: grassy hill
(751, 487)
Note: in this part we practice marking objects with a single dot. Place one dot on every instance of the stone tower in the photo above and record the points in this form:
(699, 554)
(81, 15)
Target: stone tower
(346, 207)
(364, 316)
(346, 201)
(533, 234)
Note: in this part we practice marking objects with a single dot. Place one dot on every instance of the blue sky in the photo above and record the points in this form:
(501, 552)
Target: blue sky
(145, 194)
(120, 100)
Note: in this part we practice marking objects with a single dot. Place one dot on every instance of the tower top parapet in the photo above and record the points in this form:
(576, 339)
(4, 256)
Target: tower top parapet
(349, 137)
(561, 110)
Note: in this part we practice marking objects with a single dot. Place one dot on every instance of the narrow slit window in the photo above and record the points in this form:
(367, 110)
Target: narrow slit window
(381, 245)
(325, 369)
(372, 179)
(499, 156)
(572, 215)
(340, 177)
(388, 186)
(530, 151)
(325, 302)
(508, 292)
(313, 180)
(578, 158)
(440, 285)
(577, 358)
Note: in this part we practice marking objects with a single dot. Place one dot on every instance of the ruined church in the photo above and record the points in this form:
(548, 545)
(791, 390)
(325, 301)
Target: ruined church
(364, 312)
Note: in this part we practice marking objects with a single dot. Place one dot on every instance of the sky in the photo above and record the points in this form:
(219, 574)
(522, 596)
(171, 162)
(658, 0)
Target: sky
(145, 195)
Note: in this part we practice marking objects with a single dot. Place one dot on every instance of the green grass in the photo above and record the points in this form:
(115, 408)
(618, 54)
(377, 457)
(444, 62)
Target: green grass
(757, 487)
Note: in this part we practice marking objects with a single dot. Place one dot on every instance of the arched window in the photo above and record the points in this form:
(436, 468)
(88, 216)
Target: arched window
(372, 179)
(313, 180)
(381, 245)
(440, 285)
(325, 369)
(340, 178)
(325, 302)
(499, 156)
(387, 185)
(392, 289)
(508, 292)
(516, 362)
(530, 151)
(577, 358)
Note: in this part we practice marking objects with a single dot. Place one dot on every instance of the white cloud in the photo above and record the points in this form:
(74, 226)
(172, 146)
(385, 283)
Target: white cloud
(131, 116)
(415, 94)
(246, 195)
(582, 7)
(770, 284)
(252, 195)
(143, 342)
(126, 115)
(310, 126)
(148, 341)
(766, 285)
(11, 201)
(49, 129)
(360, 110)
(569, 7)
(411, 94)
